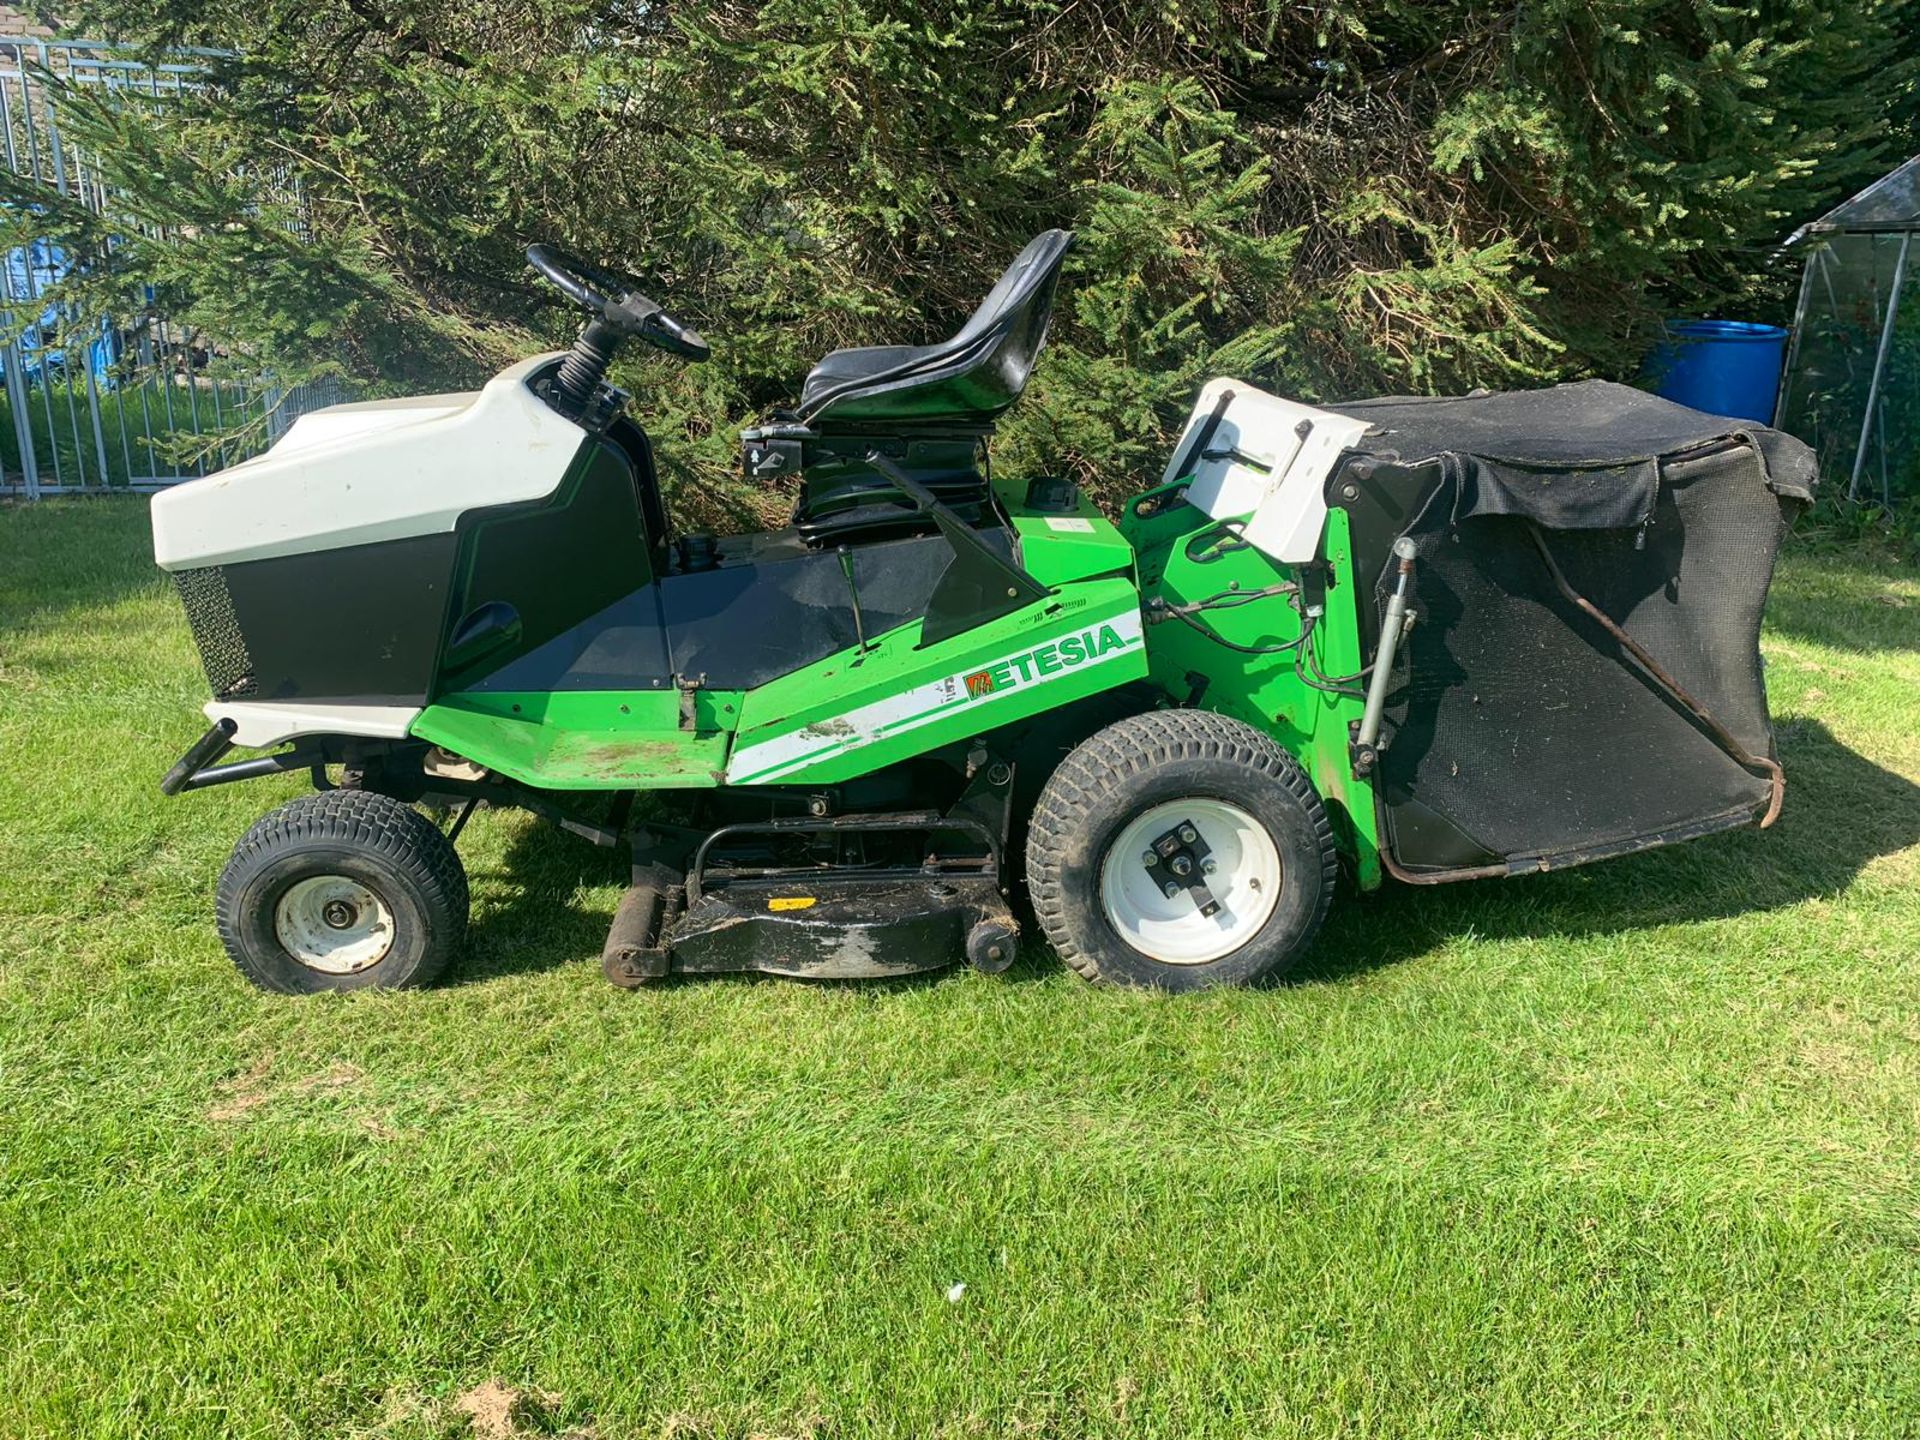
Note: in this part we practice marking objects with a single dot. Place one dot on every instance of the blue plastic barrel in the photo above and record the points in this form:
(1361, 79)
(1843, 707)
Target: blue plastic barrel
(1725, 367)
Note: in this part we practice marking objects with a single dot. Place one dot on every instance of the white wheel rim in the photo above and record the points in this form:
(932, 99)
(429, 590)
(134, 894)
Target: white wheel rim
(1244, 880)
(333, 924)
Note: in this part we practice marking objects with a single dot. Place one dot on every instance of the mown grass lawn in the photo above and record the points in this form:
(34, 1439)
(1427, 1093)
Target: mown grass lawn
(1625, 1151)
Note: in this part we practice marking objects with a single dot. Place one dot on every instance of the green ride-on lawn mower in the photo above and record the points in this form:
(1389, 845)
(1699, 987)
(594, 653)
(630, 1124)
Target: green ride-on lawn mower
(1426, 639)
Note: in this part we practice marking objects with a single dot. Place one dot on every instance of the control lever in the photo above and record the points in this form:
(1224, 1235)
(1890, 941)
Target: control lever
(853, 593)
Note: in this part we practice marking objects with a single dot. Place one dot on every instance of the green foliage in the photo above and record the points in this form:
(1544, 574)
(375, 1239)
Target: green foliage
(1332, 199)
(1174, 279)
(1890, 533)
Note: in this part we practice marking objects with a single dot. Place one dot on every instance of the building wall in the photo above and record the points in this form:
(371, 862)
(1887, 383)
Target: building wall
(14, 21)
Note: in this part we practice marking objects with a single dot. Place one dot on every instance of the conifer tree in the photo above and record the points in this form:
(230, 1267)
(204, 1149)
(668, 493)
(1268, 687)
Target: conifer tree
(1329, 199)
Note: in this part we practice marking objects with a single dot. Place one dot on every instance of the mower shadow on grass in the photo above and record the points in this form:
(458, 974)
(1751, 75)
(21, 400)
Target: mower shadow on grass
(1842, 812)
(530, 918)
(527, 916)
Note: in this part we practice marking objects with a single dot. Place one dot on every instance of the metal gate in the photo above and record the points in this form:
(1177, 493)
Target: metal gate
(136, 402)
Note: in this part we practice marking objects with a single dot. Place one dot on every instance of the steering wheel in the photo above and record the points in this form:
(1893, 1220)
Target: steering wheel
(614, 299)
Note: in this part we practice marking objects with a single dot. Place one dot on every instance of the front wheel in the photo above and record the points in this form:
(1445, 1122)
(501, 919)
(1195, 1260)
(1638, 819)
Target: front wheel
(340, 891)
(1180, 849)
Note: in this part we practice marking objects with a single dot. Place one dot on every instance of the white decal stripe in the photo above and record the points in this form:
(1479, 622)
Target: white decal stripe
(897, 712)
(902, 727)
(813, 742)
(912, 709)
(887, 732)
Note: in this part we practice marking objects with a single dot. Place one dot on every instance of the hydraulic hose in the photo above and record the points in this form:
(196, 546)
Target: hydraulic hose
(1232, 600)
(1282, 648)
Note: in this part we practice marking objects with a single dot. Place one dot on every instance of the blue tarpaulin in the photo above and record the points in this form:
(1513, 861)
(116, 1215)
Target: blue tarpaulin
(31, 270)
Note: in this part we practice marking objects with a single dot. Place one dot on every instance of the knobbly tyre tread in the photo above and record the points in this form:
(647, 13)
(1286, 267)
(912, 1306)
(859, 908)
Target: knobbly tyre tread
(1141, 744)
(362, 819)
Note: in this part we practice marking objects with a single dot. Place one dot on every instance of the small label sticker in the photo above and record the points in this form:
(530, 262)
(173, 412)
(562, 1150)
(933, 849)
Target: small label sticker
(1071, 524)
(792, 902)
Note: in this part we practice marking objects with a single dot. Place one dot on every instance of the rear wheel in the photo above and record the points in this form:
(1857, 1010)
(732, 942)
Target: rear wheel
(1180, 849)
(344, 890)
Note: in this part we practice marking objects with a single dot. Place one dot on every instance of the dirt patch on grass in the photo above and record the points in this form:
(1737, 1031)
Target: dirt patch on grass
(1858, 1051)
(252, 1089)
(489, 1408)
(807, 1427)
(243, 1094)
(682, 1425)
(496, 1411)
(336, 1076)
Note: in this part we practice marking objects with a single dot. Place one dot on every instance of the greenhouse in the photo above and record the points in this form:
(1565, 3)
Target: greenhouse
(1852, 386)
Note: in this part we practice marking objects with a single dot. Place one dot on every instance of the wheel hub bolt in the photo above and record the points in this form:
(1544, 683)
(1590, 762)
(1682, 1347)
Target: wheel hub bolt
(1188, 834)
(1150, 859)
(1182, 865)
(338, 913)
(1209, 865)
(1173, 890)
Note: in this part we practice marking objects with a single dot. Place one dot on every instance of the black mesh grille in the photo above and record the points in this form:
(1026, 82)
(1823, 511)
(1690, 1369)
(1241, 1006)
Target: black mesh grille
(216, 630)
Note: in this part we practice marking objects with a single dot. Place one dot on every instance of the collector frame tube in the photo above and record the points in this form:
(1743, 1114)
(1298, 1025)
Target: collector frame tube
(1391, 629)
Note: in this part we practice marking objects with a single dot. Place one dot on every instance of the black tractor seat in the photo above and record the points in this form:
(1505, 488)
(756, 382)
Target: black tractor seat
(844, 368)
(930, 408)
(974, 376)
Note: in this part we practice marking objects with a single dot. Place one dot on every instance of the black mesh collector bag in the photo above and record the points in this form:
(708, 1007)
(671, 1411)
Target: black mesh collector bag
(1583, 678)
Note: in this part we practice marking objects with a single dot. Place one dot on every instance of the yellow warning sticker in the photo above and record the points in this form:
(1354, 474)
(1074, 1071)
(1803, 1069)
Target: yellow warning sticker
(791, 902)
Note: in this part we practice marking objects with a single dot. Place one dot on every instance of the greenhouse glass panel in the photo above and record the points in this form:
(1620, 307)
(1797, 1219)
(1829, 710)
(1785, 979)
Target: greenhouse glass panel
(1852, 387)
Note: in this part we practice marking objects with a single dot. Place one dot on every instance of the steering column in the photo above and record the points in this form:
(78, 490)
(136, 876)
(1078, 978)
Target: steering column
(618, 311)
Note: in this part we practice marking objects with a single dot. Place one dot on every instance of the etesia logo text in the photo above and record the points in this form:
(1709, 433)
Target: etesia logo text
(1045, 660)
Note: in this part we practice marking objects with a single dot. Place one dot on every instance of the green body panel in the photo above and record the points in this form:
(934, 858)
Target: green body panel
(852, 714)
(846, 716)
(1184, 557)
(857, 711)
(589, 739)
(1058, 547)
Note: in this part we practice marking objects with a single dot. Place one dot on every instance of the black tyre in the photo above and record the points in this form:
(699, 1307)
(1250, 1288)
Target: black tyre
(1231, 822)
(342, 891)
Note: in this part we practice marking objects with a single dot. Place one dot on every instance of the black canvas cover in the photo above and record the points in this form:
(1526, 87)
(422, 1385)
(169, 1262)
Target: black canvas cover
(1522, 732)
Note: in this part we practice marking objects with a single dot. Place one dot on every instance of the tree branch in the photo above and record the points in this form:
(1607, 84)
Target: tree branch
(410, 42)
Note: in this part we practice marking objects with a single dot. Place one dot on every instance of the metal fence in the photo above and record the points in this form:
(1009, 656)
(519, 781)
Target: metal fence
(134, 402)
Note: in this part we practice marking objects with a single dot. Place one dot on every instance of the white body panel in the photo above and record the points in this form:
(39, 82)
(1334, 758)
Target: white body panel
(357, 474)
(1279, 485)
(263, 725)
